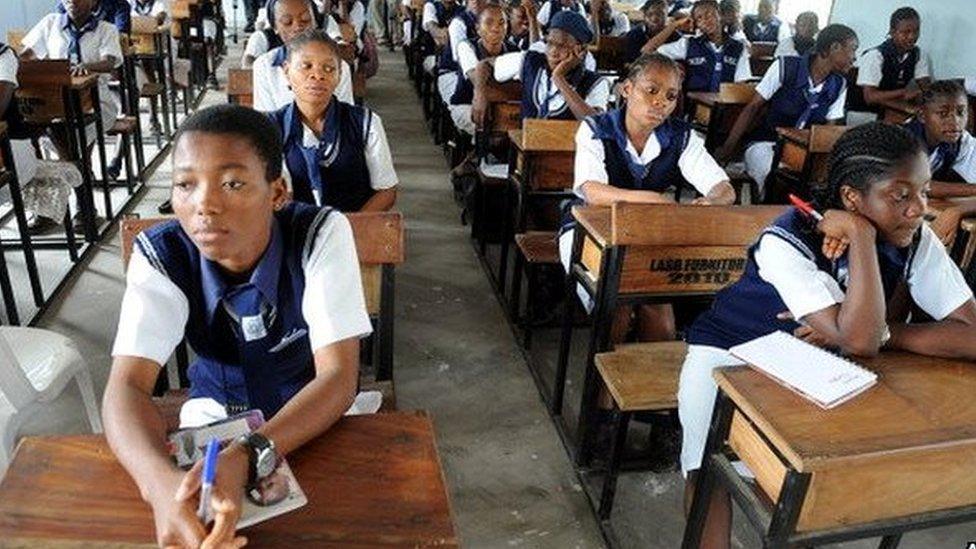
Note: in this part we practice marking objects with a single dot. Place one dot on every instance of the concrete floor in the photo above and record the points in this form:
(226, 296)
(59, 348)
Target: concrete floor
(510, 480)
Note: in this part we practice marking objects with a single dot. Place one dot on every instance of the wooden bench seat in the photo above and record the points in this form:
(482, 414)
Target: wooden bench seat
(643, 376)
(125, 125)
(152, 89)
(539, 247)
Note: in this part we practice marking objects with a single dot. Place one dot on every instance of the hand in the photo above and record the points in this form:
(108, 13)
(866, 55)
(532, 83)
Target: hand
(702, 201)
(79, 70)
(226, 497)
(840, 228)
(479, 108)
(530, 9)
(176, 521)
(440, 36)
(567, 65)
(946, 225)
(682, 23)
(805, 332)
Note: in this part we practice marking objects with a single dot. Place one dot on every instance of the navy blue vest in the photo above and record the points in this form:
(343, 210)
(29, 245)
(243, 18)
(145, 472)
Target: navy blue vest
(747, 309)
(336, 169)
(264, 373)
(660, 175)
(708, 68)
(942, 157)
(537, 87)
(443, 17)
(447, 62)
(273, 39)
(518, 43)
(895, 73)
(750, 26)
(794, 105)
(464, 89)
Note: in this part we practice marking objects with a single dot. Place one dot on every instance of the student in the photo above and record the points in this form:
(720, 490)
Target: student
(269, 297)
(638, 153)
(730, 13)
(845, 283)
(803, 40)
(114, 12)
(336, 154)
(490, 44)
(150, 8)
(523, 29)
(801, 92)
(711, 57)
(639, 37)
(885, 72)
(606, 21)
(941, 128)
(763, 26)
(462, 28)
(91, 46)
(552, 7)
(264, 40)
(437, 15)
(271, 91)
(25, 162)
(555, 84)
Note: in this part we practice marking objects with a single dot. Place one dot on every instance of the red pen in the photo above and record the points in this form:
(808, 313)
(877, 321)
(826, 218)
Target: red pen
(806, 207)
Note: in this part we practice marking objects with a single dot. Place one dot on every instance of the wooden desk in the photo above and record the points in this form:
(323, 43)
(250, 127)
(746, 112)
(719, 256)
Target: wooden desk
(370, 480)
(801, 161)
(240, 87)
(714, 113)
(897, 458)
(897, 112)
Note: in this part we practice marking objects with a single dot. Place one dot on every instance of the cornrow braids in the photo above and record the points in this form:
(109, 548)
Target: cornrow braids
(941, 89)
(862, 156)
(902, 14)
(648, 60)
(313, 36)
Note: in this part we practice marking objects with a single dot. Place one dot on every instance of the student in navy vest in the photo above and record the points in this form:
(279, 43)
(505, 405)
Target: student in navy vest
(941, 128)
(19, 133)
(437, 15)
(711, 57)
(551, 7)
(639, 153)
(847, 284)
(800, 92)
(886, 71)
(523, 29)
(336, 154)
(263, 40)
(764, 26)
(114, 12)
(606, 21)
(149, 8)
(463, 28)
(639, 37)
(269, 297)
(803, 40)
(730, 13)
(555, 84)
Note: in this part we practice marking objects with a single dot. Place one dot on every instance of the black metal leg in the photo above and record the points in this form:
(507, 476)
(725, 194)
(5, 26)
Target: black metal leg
(787, 510)
(566, 331)
(384, 370)
(69, 234)
(532, 278)
(890, 541)
(506, 237)
(18, 203)
(704, 487)
(102, 159)
(127, 151)
(9, 301)
(514, 305)
(86, 194)
(621, 421)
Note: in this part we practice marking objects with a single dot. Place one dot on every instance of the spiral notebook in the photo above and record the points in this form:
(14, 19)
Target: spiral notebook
(818, 375)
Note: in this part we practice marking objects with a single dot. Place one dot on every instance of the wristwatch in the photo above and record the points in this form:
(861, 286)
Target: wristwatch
(262, 459)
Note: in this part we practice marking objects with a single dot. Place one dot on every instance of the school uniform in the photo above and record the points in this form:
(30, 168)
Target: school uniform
(540, 97)
(795, 46)
(883, 68)
(757, 31)
(677, 6)
(519, 43)
(459, 103)
(345, 166)
(261, 42)
(949, 162)
(435, 14)
(708, 65)
(617, 25)
(113, 12)
(786, 271)
(149, 8)
(24, 159)
(271, 89)
(462, 28)
(637, 37)
(672, 155)
(56, 37)
(794, 101)
(254, 342)
(551, 7)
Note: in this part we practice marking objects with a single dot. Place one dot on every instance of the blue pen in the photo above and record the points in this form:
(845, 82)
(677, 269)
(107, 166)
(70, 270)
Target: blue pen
(209, 472)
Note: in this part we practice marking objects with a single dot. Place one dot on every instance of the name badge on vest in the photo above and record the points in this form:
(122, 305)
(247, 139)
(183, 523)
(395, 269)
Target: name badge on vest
(696, 61)
(731, 60)
(253, 327)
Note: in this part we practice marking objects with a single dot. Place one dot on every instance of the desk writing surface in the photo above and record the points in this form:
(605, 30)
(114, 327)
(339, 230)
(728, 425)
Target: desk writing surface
(596, 221)
(795, 135)
(515, 138)
(83, 82)
(372, 480)
(919, 403)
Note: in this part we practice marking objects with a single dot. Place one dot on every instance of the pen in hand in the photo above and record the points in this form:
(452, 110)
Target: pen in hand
(209, 472)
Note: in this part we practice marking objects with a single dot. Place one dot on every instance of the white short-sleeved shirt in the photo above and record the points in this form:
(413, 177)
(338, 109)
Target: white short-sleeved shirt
(869, 67)
(696, 165)
(773, 81)
(589, 62)
(678, 50)
(271, 90)
(965, 164)
(545, 12)
(357, 17)
(257, 45)
(48, 40)
(25, 161)
(429, 19)
(509, 67)
(621, 24)
(155, 311)
(159, 6)
(379, 161)
(934, 281)
(787, 48)
(457, 33)
(467, 57)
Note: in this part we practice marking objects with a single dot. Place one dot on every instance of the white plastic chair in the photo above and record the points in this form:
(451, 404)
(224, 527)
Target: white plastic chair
(35, 367)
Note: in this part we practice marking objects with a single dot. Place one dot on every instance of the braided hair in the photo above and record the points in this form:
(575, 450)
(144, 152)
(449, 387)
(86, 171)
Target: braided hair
(941, 89)
(647, 60)
(902, 14)
(864, 155)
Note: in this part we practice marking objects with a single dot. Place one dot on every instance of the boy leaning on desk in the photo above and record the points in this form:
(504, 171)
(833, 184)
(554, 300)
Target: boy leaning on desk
(269, 296)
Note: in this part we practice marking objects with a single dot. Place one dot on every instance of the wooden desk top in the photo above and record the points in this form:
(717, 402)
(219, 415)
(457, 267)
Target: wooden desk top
(920, 403)
(371, 480)
(596, 221)
(795, 135)
(515, 138)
